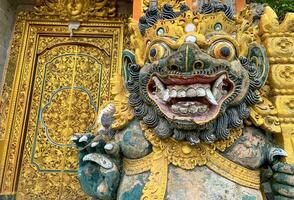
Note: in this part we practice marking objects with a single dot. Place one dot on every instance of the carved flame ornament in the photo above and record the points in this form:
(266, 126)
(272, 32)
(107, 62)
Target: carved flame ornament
(77, 10)
(174, 3)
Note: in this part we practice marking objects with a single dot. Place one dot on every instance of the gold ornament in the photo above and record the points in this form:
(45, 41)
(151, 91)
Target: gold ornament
(276, 113)
(76, 10)
(264, 114)
(199, 25)
(123, 112)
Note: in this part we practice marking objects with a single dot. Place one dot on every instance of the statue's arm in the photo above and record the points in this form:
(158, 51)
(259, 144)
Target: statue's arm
(258, 150)
(99, 166)
(277, 176)
(252, 149)
(99, 158)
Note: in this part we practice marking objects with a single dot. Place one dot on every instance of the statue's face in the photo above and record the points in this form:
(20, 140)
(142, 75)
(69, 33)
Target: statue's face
(193, 84)
(190, 80)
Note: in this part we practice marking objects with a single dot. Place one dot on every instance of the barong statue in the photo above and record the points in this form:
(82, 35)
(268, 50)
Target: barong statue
(197, 112)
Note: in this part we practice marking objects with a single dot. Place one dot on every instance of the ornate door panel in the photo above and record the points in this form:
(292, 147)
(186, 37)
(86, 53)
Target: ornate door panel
(59, 85)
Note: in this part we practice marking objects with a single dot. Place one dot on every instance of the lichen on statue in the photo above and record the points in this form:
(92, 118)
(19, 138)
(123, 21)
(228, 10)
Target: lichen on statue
(192, 79)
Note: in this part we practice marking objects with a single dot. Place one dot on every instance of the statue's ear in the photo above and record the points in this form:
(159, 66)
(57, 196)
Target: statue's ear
(128, 58)
(257, 55)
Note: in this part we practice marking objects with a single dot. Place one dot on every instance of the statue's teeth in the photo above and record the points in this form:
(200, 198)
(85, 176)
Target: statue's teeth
(216, 93)
(191, 92)
(181, 93)
(165, 95)
(175, 109)
(217, 87)
(202, 109)
(194, 90)
(183, 110)
(210, 97)
(193, 109)
(161, 92)
(159, 85)
(200, 92)
(219, 80)
(173, 93)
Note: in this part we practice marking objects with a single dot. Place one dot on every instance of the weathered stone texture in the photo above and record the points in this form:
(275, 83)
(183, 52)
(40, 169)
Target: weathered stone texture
(7, 19)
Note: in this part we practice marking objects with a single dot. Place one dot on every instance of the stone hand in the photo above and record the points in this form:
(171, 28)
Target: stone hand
(99, 164)
(283, 181)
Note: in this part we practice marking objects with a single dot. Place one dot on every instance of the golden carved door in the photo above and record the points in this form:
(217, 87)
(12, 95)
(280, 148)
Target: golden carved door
(59, 84)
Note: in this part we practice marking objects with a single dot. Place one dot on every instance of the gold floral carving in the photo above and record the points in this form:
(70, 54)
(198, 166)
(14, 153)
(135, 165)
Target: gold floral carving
(278, 39)
(67, 102)
(287, 73)
(182, 154)
(124, 113)
(74, 10)
(4, 102)
(290, 104)
(54, 78)
(156, 186)
(264, 114)
(9, 73)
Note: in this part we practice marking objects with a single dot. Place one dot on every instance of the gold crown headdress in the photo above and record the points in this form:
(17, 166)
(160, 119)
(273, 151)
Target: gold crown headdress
(175, 27)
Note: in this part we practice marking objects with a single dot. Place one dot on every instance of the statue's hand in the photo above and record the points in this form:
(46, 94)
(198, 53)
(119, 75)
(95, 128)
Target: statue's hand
(99, 164)
(283, 181)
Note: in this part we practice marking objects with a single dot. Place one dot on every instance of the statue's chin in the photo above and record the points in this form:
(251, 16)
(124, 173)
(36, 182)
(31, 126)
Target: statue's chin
(195, 98)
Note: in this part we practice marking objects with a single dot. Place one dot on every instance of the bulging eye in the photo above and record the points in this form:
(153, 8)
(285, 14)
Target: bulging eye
(158, 51)
(223, 50)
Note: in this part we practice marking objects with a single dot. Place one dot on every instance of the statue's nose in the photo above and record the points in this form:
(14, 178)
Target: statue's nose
(187, 58)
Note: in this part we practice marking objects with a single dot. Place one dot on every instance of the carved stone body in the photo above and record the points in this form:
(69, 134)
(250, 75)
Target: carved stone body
(201, 182)
(195, 125)
(251, 151)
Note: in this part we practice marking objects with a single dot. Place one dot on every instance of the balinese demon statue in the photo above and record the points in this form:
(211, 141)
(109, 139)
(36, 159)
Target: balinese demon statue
(195, 120)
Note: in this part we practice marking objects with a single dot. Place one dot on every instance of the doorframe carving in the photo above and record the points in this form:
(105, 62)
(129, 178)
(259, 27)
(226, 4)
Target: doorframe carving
(19, 79)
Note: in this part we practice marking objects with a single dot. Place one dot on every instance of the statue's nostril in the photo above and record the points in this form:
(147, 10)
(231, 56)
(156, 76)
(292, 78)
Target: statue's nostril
(173, 68)
(198, 64)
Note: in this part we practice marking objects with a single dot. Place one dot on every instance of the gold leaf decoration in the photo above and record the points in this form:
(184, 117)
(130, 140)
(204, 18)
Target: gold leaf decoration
(76, 10)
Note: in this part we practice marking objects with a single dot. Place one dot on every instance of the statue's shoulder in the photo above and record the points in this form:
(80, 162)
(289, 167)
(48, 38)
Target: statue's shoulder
(133, 142)
(251, 149)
